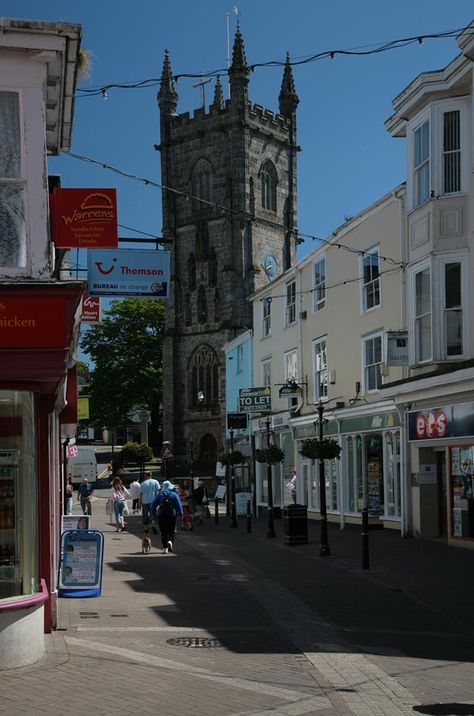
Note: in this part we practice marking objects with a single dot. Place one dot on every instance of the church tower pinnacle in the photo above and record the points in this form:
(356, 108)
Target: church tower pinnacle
(167, 95)
(288, 98)
(239, 70)
(218, 95)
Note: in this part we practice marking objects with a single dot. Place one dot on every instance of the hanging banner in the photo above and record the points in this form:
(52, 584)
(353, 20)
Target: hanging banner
(84, 218)
(129, 272)
(83, 408)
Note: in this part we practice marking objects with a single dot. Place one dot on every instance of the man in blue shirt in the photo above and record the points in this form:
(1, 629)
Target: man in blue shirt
(167, 506)
(148, 490)
(84, 493)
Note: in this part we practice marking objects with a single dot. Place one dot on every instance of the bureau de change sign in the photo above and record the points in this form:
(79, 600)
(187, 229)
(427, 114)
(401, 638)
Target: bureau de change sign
(255, 400)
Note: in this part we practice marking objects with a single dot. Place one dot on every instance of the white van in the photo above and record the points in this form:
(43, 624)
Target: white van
(84, 464)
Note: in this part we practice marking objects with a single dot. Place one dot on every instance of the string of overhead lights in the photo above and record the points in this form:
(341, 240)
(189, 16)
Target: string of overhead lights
(356, 279)
(309, 59)
(235, 212)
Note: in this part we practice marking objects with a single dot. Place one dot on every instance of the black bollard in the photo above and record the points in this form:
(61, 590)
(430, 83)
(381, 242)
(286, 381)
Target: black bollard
(216, 511)
(249, 516)
(365, 539)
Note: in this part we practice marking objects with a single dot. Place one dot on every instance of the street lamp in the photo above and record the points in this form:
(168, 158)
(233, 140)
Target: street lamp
(270, 524)
(233, 512)
(324, 544)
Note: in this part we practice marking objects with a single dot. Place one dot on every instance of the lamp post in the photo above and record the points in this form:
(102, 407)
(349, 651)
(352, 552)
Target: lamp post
(233, 513)
(324, 544)
(270, 524)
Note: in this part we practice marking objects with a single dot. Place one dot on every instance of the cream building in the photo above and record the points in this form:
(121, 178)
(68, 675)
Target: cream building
(323, 332)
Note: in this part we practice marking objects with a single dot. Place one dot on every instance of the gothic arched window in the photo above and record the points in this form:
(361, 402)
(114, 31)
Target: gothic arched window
(204, 378)
(202, 239)
(212, 269)
(192, 272)
(217, 306)
(188, 313)
(269, 180)
(202, 184)
(202, 305)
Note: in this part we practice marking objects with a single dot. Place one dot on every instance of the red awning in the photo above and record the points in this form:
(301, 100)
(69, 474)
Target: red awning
(34, 345)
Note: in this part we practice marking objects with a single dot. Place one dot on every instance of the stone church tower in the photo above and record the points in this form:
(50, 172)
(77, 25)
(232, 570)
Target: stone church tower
(232, 225)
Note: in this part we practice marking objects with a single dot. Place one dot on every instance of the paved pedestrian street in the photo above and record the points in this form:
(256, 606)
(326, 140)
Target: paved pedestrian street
(235, 623)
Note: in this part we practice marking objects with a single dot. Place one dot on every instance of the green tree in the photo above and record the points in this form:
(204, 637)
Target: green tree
(126, 350)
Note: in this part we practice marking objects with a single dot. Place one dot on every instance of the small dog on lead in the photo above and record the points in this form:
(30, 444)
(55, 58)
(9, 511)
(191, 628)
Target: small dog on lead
(146, 544)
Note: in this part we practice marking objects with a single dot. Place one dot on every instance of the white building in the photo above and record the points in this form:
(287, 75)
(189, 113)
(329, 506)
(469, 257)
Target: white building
(39, 320)
(435, 116)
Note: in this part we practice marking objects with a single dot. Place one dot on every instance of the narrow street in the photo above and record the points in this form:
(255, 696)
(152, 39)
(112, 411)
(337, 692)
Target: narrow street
(235, 623)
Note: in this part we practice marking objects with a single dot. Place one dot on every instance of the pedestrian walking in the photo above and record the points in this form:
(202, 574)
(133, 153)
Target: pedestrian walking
(167, 507)
(135, 492)
(148, 490)
(84, 494)
(183, 494)
(69, 496)
(118, 496)
(200, 501)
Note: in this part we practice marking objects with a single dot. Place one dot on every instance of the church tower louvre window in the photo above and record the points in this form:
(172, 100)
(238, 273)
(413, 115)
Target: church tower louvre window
(202, 305)
(202, 185)
(212, 268)
(269, 181)
(232, 165)
(192, 272)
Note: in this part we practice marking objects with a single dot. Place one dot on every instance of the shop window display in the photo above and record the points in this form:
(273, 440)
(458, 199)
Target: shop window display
(462, 491)
(18, 501)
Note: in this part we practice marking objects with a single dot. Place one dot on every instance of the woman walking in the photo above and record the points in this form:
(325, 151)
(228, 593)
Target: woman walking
(118, 495)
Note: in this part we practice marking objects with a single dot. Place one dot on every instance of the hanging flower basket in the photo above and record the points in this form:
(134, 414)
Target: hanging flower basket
(232, 458)
(325, 449)
(270, 455)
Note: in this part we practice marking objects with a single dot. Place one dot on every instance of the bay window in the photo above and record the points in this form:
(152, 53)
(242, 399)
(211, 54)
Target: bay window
(423, 338)
(421, 163)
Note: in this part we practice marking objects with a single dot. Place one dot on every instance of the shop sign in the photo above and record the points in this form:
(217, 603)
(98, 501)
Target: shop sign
(277, 423)
(309, 430)
(91, 309)
(83, 408)
(255, 400)
(129, 272)
(237, 421)
(365, 423)
(451, 421)
(84, 218)
(397, 348)
(32, 322)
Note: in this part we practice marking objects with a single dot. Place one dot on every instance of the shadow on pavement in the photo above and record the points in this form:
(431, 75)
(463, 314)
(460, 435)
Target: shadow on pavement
(446, 709)
(409, 604)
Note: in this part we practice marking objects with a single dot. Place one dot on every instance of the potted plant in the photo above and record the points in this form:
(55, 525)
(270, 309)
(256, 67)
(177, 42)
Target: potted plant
(232, 458)
(270, 454)
(315, 449)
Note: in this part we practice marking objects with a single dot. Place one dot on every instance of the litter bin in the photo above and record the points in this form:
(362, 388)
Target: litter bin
(295, 524)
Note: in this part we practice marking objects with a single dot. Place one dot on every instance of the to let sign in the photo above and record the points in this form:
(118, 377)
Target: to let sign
(255, 400)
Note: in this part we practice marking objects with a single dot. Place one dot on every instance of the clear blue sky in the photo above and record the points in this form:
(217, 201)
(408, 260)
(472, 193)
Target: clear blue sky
(348, 159)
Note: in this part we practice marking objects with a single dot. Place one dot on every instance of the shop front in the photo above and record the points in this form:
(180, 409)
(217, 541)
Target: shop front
(442, 471)
(368, 471)
(278, 427)
(38, 327)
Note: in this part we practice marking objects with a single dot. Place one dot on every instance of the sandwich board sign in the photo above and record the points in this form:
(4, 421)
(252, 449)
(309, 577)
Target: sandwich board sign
(80, 567)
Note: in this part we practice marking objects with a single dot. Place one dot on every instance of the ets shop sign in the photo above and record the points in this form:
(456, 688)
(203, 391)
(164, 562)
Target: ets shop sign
(451, 421)
(255, 400)
(84, 218)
